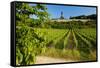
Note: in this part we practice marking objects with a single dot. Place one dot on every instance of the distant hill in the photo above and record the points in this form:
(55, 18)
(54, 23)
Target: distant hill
(92, 16)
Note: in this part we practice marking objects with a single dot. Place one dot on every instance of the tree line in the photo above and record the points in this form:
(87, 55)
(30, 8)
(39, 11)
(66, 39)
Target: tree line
(92, 16)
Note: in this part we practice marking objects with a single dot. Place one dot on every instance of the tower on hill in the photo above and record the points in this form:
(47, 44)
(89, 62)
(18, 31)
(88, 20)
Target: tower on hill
(61, 17)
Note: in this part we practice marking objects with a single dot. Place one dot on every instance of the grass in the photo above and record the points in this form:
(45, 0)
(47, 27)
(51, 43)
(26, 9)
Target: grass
(65, 54)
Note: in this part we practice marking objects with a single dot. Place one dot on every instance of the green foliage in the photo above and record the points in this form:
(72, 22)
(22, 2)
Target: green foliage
(27, 41)
(25, 45)
(24, 10)
(92, 16)
(72, 24)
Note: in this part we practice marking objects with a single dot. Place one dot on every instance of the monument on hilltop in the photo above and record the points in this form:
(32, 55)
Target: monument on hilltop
(61, 17)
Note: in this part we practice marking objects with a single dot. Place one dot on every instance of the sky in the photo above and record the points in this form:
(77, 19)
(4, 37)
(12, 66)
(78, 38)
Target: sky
(55, 10)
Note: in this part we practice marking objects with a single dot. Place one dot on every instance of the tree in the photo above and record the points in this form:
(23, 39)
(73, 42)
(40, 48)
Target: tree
(26, 39)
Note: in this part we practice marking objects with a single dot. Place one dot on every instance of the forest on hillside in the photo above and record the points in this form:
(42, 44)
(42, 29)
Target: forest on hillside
(92, 17)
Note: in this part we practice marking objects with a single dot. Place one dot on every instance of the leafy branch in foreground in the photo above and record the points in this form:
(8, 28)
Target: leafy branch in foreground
(27, 41)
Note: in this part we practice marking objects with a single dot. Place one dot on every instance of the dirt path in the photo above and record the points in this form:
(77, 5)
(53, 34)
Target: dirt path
(71, 43)
(44, 59)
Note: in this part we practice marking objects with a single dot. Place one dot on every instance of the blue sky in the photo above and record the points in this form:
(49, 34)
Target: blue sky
(55, 10)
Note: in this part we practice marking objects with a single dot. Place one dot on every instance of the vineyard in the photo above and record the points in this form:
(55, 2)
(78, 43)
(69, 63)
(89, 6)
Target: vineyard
(73, 44)
(69, 40)
(70, 44)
